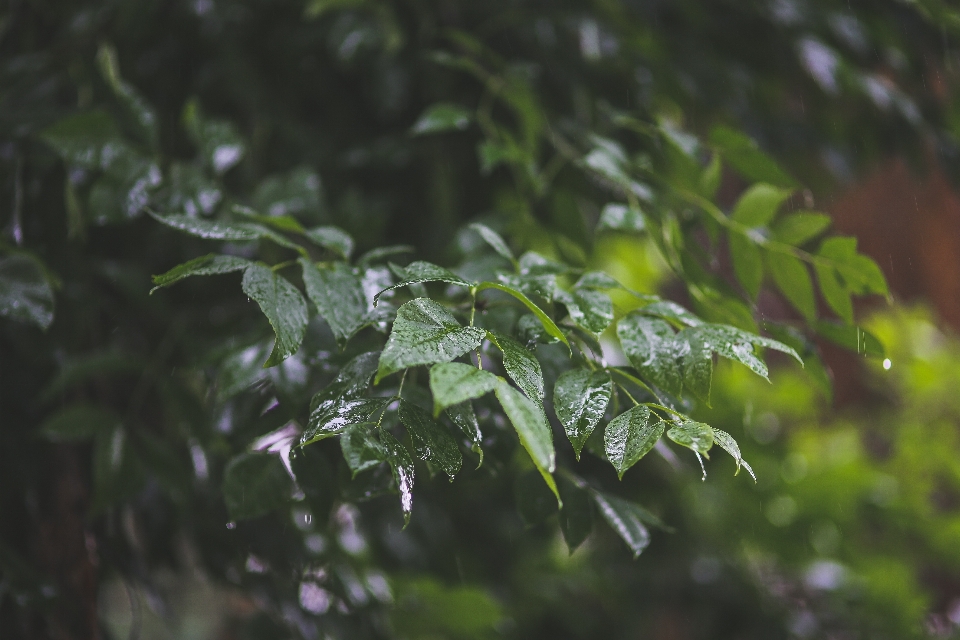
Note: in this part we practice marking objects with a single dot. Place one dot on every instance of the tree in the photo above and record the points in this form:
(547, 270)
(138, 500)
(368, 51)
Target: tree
(298, 137)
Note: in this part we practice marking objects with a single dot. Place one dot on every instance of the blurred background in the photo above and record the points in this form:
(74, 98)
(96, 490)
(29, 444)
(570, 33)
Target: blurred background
(310, 108)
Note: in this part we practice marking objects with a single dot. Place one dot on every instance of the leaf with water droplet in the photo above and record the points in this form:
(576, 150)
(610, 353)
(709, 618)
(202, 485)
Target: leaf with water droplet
(728, 444)
(494, 239)
(420, 272)
(521, 365)
(580, 398)
(431, 440)
(401, 464)
(425, 333)
(532, 428)
(361, 447)
(455, 382)
(208, 265)
(337, 292)
(651, 346)
(590, 310)
(284, 307)
(630, 436)
(333, 238)
(696, 436)
(626, 518)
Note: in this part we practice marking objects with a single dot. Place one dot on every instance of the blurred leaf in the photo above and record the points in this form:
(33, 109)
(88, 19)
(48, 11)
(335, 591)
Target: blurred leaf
(747, 263)
(535, 502)
(25, 292)
(576, 517)
(580, 399)
(758, 205)
(626, 518)
(78, 422)
(316, 477)
(284, 307)
(425, 333)
(141, 111)
(452, 383)
(851, 337)
(431, 440)
(743, 154)
(793, 280)
(621, 217)
(332, 238)
(493, 238)
(208, 265)
(220, 146)
(442, 117)
(799, 228)
(255, 484)
(597, 280)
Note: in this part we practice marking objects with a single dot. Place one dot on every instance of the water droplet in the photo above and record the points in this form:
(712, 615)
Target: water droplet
(308, 518)
(887, 364)
(231, 525)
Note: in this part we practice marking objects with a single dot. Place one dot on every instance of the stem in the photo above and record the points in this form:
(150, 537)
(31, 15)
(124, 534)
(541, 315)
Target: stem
(624, 389)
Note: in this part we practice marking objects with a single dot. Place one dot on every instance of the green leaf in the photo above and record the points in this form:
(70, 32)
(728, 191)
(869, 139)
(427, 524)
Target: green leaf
(737, 344)
(376, 255)
(696, 436)
(621, 217)
(759, 204)
(493, 238)
(431, 440)
(316, 478)
(442, 117)
(589, 310)
(597, 280)
(747, 263)
(141, 111)
(464, 417)
(626, 518)
(576, 517)
(551, 328)
(799, 228)
(531, 425)
(793, 279)
(696, 364)
(332, 238)
(334, 418)
(401, 464)
(337, 292)
(535, 502)
(728, 444)
(208, 265)
(78, 422)
(860, 274)
(25, 292)
(284, 307)
(651, 346)
(671, 311)
(212, 229)
(220, 146)
(521, 365)
(79, 139)
(361, 447)
(454, 382)
(580, 398)
(255, 484)
(425, 333)
(743, 154)
(418, 272)
(835, 292)
(630, 436)
(851, 337)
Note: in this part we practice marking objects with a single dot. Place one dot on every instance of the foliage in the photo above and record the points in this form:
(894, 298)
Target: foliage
(193, 417)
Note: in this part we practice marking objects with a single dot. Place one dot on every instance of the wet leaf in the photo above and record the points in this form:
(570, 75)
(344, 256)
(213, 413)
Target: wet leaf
(361, 447)
(630, 436)
(208, 265)
(465, 418)
(332, 238)
(521, 365)
(284, 307)
(696, 436)
(589, 310)
(493, 239)
(626, 518)
(549, 325)
(431, 440)
(425, 333)
(651, 346)
(531, 426)
(580, 399)
(793, 279)
(419, 272)
(728, 444)
(576, 517)
(401, 464)
(455, 382)
(337, 292)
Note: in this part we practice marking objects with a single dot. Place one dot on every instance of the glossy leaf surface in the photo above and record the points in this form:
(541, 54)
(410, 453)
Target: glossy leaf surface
(626, 519)
(455, 382)
(284, 307)
(630, 436)
(432, 441)
(580, 399)
(208, 265)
